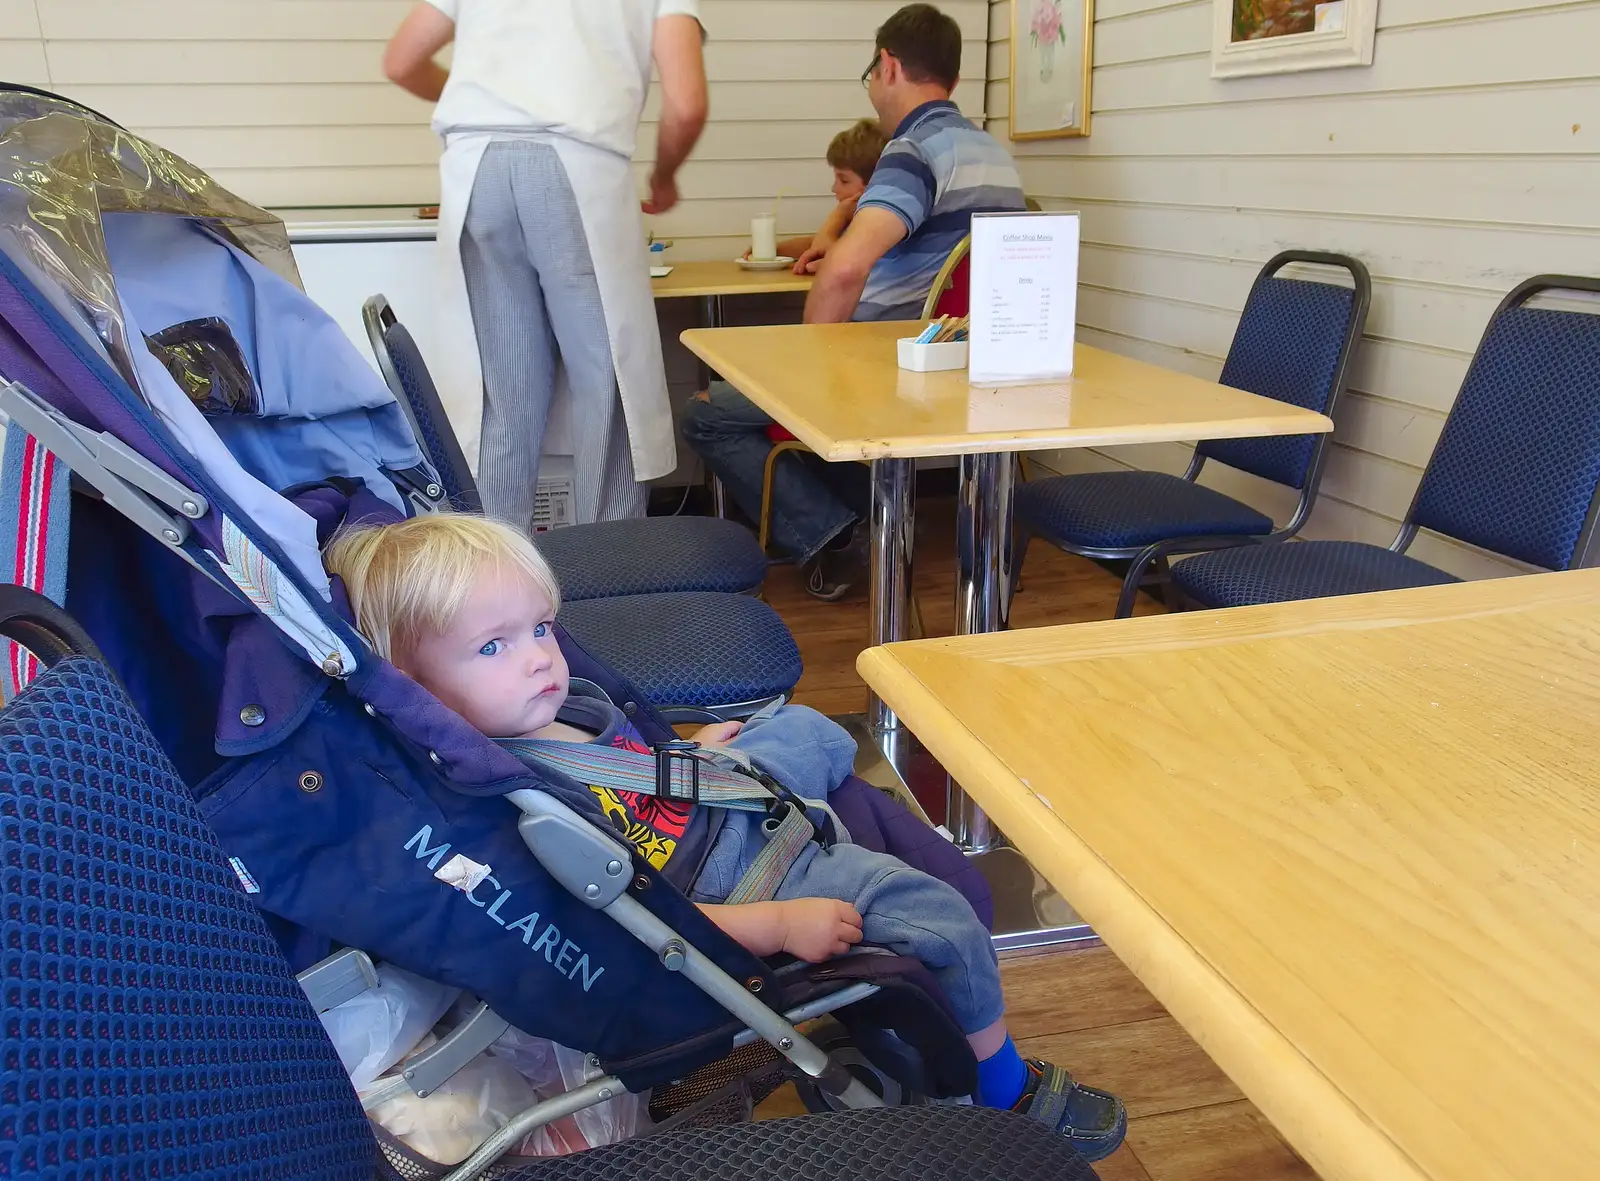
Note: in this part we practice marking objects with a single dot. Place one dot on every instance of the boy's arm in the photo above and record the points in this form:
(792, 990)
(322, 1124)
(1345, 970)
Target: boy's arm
(792, 247)
(833, 228)
(408, 58)
(811, 929)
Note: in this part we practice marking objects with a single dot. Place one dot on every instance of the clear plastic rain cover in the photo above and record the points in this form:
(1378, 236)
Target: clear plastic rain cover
(62, 168)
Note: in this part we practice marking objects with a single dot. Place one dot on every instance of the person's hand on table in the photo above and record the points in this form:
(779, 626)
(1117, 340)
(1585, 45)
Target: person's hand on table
(663, 194)
(808, 262)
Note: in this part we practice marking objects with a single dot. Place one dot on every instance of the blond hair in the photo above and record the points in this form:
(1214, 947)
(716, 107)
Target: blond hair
(857, 148)
(412, 578)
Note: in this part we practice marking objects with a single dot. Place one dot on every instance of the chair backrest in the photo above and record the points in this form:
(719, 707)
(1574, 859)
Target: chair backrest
(152, 1027)
(1295, 341)
(1517, 467)
(402, 366)
(949, 294)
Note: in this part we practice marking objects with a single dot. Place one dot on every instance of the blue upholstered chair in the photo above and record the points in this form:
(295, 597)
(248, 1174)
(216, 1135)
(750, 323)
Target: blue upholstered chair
(1294, 342)
(591, 561)
(1515, 472)
(665, 601)
(153, 1029)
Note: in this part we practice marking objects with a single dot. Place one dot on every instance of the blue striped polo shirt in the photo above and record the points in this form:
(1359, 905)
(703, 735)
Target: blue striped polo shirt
(938, 170)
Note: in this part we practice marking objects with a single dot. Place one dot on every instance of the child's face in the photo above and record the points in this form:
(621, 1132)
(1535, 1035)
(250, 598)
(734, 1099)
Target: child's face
(847, 184)
(498, 665)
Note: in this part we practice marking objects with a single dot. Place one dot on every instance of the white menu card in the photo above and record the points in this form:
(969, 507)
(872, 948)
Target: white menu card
(1024, 305)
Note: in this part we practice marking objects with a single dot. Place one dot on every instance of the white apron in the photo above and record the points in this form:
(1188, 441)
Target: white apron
(608, 204)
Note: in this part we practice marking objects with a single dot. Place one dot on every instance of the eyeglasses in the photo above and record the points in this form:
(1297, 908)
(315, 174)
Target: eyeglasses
(866, 75)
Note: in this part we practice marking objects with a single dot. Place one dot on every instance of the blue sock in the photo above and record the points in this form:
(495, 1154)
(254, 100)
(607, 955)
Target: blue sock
(1001, 1076)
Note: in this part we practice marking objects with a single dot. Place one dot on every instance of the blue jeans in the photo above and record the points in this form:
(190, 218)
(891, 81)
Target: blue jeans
(909, 912)
(812, 501)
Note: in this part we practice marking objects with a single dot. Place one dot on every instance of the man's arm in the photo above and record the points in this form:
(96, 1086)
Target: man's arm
(873, 233)
(408, 58)
(682, 68)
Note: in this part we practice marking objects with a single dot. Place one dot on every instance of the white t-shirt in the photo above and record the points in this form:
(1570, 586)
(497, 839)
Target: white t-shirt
(580, 68)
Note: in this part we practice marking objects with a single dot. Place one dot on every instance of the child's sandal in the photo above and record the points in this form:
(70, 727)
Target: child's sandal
(1094, 1121)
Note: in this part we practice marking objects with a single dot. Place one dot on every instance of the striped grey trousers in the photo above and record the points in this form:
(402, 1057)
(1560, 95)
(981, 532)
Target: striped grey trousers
(536, 306)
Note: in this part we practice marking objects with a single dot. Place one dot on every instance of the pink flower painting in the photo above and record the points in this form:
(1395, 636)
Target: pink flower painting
(1046, 31)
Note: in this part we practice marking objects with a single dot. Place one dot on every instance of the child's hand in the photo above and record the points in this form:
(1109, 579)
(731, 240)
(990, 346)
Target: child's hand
(808, 262)
(718, 735)
(817, 929)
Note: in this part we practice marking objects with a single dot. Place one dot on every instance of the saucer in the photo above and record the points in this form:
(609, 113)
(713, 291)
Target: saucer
(766, 264)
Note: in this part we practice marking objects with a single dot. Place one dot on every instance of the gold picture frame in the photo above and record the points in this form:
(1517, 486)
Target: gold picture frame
(1047, 102)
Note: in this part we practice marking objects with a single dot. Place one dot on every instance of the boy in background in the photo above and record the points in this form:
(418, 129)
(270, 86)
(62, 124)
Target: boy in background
(852, 154)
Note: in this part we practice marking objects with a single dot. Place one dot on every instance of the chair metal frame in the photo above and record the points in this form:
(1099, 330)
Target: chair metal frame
(1584, 551)
(378, 317)
(1143, 557)
(941, 283)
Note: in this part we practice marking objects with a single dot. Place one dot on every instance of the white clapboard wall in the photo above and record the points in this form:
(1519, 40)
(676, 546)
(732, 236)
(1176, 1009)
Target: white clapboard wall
(1464, 160)
(284, 101)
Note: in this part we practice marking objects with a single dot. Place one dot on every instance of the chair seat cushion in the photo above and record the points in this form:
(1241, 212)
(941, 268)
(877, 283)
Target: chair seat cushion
(1130, 510)
(653, 555)
(931, 1143)
(690, 647)
(1299, 570)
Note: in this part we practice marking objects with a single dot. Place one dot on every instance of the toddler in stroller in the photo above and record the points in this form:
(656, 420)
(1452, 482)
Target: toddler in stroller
(466, 606)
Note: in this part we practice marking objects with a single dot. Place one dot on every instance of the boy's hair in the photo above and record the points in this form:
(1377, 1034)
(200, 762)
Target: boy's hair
(858, 148)
(412, 578)
(926, 42)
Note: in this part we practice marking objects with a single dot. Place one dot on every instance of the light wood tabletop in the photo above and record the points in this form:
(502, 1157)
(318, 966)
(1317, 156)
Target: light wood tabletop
(724, 278)
(1351, 844)
(839, 389)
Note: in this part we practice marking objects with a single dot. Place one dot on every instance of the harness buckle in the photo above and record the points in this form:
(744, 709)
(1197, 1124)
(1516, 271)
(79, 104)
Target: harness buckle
(668, 754)
(783, 798)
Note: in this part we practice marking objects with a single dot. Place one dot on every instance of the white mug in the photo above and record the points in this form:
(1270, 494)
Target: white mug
(764, 237)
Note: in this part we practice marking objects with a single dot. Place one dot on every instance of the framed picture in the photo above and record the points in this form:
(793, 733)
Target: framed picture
(1252, 37)
(1052, 66)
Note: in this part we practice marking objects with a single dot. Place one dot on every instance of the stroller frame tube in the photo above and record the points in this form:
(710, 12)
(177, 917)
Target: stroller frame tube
(596, 1091)
(770, 1026)
(609, 1087)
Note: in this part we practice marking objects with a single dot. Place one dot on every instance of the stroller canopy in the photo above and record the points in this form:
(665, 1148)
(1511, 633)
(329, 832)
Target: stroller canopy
(63, 167)
(192, 296)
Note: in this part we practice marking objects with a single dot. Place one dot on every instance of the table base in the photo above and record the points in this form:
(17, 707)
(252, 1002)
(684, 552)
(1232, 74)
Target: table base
(1028, 912)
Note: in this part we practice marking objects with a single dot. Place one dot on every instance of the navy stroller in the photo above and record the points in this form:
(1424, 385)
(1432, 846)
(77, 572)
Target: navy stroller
(154, 1030)
(215, 429)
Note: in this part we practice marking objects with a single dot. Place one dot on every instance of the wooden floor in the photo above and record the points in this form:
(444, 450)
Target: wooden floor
(1081, 1009)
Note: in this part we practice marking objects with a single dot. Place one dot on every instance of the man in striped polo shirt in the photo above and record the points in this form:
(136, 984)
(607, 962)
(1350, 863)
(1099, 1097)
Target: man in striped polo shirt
(937, 171)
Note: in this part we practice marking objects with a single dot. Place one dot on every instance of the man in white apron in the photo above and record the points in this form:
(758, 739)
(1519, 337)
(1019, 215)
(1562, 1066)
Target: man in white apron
(541, 241)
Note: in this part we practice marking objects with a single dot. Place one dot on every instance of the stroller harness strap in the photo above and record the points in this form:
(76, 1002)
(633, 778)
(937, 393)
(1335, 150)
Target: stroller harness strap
(679, 771)
(785, 840)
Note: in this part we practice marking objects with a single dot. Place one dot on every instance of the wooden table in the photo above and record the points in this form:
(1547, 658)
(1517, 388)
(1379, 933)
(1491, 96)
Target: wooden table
(709, 282)
(1353, 845)
(713, 280)
(838, 388)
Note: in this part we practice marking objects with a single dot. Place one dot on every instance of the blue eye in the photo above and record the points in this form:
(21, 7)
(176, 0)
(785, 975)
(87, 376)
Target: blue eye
(541, 631)
(492, 648)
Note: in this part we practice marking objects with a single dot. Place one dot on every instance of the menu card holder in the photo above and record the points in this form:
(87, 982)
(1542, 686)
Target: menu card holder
(1024, 304)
